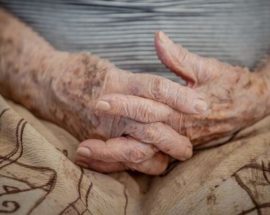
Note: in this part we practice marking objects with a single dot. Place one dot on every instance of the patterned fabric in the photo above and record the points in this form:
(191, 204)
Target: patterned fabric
(38, 177)
(236, 31)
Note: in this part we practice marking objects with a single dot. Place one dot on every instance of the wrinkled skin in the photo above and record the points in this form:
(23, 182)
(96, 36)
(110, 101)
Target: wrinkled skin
(134, 121)
(136, 143)
(65, 88)
(236, 97)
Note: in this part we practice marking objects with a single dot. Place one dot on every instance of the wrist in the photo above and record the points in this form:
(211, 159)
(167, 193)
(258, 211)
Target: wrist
(77, 80)
(76, 84)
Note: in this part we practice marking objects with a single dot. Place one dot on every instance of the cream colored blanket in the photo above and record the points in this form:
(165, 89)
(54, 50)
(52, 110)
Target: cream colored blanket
(37, 175)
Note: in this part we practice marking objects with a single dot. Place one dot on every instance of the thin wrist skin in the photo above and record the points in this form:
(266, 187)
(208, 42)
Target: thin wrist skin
(74, 91)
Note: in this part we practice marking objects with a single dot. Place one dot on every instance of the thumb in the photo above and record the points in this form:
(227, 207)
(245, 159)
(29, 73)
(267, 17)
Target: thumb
(191, 67)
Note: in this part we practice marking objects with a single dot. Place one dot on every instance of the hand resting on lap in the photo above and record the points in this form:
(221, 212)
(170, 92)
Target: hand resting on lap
(236, 97)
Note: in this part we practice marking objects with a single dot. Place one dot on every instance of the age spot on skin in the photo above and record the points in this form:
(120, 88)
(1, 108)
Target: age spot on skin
(248, 85)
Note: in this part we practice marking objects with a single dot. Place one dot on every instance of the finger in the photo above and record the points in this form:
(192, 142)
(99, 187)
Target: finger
(139, 109)
(120, 149)
(191, 67)
(163, 137)
(134, 107)
(153, 166)
(180, 98)
(101, 166)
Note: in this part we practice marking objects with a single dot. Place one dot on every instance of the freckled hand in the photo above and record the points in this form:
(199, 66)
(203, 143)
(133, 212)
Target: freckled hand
(236, 97)
(131, 121)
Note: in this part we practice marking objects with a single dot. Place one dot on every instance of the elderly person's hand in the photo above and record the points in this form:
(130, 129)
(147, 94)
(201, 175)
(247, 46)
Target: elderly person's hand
(236, 97)
(132, 121)
(80, 89)
(70, 89)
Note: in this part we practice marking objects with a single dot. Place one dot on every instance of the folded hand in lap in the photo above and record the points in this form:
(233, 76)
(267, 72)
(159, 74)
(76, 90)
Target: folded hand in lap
(131, 121)
(135, 138)
(236, 99)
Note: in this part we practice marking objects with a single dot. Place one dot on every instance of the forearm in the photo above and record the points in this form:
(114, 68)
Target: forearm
(26, 62)
(48, 82)
(29, 68)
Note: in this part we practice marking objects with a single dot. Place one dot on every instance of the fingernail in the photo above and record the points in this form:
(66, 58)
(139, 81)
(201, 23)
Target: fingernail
(188, 153)
(81, 164)
(83, 151)
(102, 105)
(201, 106)
(162, 37)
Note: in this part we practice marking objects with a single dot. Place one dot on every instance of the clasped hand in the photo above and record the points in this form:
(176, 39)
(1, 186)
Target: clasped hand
(141, 121)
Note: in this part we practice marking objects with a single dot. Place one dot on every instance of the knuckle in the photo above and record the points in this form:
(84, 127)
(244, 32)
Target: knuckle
(156, 88)
(126, 110)
(136, 156)
(138, 111)
(134, 86)
(183, 96)
(143, 112)
(151, 133)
